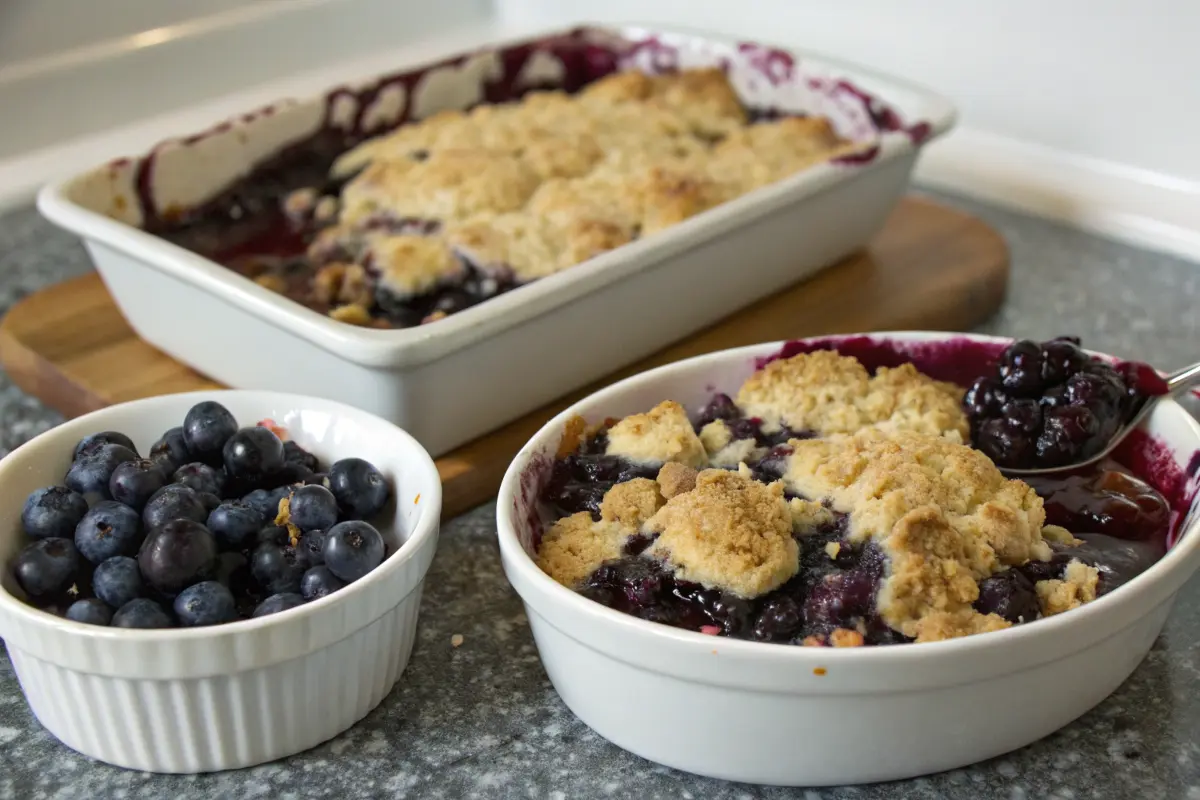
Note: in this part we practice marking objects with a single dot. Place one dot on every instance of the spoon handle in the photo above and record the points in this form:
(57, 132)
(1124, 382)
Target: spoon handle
(1182, 380)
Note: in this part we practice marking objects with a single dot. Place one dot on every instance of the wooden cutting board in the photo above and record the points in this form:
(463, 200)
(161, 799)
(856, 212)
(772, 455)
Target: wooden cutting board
(931, 268)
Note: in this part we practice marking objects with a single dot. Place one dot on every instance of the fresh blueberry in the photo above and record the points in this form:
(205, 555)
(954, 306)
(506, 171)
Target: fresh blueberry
(46, 567)
(209, 501)
(312, 508)
(234, 523)
(90, 443)
(173, 502)
(312, 545)
(206, 429)
(295, 454)
(291, 473)
(90, 611)
(177, 555)
(200, 478)
(278, 602)
(360, 489)
(108, 529)
(273, 534)
(252, 453)
(141, 613)
(117, 581)
(352, 549)
(171, 450)
(278, 568)
(134, 482)
(52, 512)
(317, 479)
(205, 603)
(319, 582)
(91, 472)
(265, 502)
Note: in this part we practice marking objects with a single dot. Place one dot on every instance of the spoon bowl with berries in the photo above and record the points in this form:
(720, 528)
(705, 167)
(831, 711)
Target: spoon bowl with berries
(190, 562)
(1053, 407)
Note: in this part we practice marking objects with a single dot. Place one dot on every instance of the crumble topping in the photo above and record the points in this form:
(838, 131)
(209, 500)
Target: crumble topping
(412, 265)
(675, 478)
(828, 393)
(541, 184)
(807, 515)
(729, 532)
(942, 512)
(631, 503)
(1077, 586)
(576, 545)
(662, 434)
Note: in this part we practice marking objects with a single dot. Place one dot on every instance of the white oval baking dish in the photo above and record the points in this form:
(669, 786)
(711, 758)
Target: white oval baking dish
(235, 695)
(462, 376)
(797, 716)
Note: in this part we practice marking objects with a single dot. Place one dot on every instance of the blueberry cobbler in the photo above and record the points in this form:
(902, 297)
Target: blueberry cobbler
(829, 504)
(446, 212)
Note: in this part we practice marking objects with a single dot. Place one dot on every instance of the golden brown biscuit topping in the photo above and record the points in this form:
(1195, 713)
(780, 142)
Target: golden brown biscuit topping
(828, 393)
(729, 532)
(660, 435)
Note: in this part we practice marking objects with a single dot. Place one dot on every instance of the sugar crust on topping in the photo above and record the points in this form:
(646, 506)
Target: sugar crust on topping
(723, 450)
(730, 533)
(1077, 586)
(631, 503)
(412, 265)
(675, 478)
(541, 184)
(828, 393)
(942, 512)
(662, 434)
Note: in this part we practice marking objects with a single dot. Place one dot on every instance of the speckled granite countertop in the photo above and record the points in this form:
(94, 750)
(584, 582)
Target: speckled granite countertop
(483, 721)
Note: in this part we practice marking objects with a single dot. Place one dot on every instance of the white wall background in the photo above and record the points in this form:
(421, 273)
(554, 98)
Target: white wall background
(1086, 110)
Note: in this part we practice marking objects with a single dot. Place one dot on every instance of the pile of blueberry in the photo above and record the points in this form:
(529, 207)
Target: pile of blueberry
(1051, 404)
(217, 523)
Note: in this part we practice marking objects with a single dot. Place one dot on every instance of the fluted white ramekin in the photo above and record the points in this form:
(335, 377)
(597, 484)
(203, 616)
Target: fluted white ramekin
(807, 716)
(206, 699)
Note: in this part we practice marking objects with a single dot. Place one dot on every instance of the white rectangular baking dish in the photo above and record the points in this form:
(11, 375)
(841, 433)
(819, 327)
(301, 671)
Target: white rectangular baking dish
(465, 375)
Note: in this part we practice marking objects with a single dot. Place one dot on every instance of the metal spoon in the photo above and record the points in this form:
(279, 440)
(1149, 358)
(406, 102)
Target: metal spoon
(1177, 383)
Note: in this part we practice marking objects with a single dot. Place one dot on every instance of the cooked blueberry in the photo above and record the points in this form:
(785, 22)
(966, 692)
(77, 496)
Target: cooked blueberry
(134, 482)
(180, 553)
(1004, 445)
(1066, 434)
(273, 534)
(91, 443)
(52, 512)
(253, 452)
(173, 502)
(778, 619)
(1010, 595)
(117, 581)
(1021, 369)
(90, 611)
(278, 602)
(234, 523)
(171, 450)
(1022, 415)
(352, 549)
(312, 545)
(46, 567)
(841, 599)
(108, 529)
(721, 406)
(141, 613)
(200, 478)
(278, 568)
(91, 472)
(205, 603)
(319, 582)
(206, 429)
(312, 508)
(360, 489)
(1061, 359)
(295, 454)
(1090, 389)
